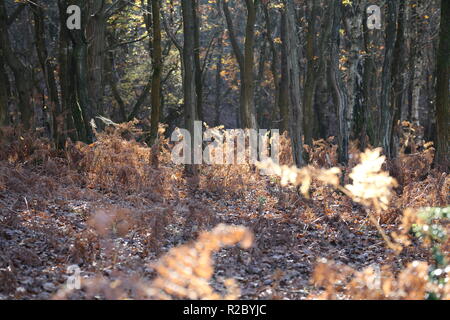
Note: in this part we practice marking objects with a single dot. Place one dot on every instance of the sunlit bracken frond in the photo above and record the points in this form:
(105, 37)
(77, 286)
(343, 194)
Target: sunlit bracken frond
(371, 185)
(300, 177)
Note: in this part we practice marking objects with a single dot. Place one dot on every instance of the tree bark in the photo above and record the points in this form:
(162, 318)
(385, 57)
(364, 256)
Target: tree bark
(246, 62)
(387, 112)
(340, 97)
(442, 89)
(157, 70)
(96, 36)
(22, 74)
(293, 74)
(310, 81)
(190, 101)
(218, 89)
(4, 96)
(275, 65)
(48, 69)
(198, 67)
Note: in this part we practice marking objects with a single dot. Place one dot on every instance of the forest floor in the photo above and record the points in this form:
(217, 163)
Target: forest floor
(56, 211)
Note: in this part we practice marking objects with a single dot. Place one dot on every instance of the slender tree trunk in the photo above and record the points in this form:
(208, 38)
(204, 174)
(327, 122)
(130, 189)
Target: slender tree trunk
(340, 97)
(387, 113)
(83, 105)
(398, 79)
(245, 62)
(368, 87)
(22, 74)
(310, 81)
(157, 70)
(96, 35)
(74, 125)
(283, 102)
(4, 96)
(57, 125)
(262, 110)
(190, 101)
(248, 78)
(218, 89)
(293, 72)
(442, 89)
(198, 67)
(275, 63)
(111, 79)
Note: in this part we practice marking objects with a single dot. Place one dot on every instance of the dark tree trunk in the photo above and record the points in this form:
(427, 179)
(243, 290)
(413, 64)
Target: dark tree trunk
(293, 73)
(340, 97)
(387, 112)
(442, 89)
(22, 74)
(157, 70)
(369, 75)
(245, 62)
(198, 67)
(283, 102)
(218, 89)
(190, 101)
(4, 95)
(96, 36)
(74, 125)
(274, 66)
(398, 67)
(310, 81)
(48, 69)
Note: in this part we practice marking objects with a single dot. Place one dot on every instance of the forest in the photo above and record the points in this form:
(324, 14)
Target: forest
(224, 149)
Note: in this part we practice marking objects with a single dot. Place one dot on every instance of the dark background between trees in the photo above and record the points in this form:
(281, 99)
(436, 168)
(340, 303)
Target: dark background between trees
(309, 67)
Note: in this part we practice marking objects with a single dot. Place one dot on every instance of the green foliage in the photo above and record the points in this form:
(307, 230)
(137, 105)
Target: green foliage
(431, 228)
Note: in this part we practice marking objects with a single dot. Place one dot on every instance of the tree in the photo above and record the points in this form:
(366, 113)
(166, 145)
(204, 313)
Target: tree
(22, 73)
(82, 105)
(157, 70)
(245, 62)
(290, 41)
(95, 36)
(442, 88)
(339, 93)
(48, 70)
(190, 102)
(310, 81)
(387, 112)
(4, 94)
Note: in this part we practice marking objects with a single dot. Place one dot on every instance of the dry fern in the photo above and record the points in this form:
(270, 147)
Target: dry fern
(185, 271)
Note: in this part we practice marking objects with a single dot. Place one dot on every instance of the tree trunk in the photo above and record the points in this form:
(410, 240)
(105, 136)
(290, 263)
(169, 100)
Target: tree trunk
(387, 112)
(83, 105)
(95, 34)
(22, 74)
(245, 62)
(190, 101)
(198, 67)
(218, 89)
(248, 77)
(293, 72)
(74, 125)
(283, 102)
(442, 89)
(340, 97)
(310, 82)
(398, 79)
(368, 81)
(111, 79)
(4, 95)
(48, 69)
(157, 70)
(274, 66)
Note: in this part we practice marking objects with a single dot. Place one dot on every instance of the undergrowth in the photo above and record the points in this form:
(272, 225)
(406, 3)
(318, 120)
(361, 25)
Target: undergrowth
(160, 199)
